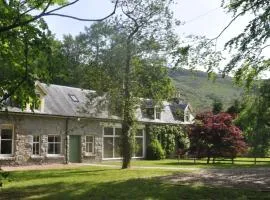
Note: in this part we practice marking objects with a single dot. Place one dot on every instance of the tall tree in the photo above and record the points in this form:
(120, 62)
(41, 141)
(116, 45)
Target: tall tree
(24, 36)
(254, 120)
(130, 62)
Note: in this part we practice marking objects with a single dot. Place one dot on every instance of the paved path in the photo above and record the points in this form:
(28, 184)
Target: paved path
(76, 165)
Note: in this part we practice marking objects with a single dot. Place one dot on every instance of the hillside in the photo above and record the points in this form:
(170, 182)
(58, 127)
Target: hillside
(196, 89)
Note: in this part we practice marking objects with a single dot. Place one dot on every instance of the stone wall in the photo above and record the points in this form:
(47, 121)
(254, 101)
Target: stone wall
(25, 127)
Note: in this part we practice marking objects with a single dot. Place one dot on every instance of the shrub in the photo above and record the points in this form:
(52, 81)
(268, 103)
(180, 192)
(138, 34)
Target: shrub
(155, 151)
(170, 137)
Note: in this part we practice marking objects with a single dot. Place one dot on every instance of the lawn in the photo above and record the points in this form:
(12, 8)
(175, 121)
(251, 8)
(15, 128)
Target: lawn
(107, 183)
(189, 163)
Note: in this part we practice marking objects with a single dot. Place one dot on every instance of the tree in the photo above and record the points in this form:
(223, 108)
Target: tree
(24, 42)
(251, 56)
(171, 137)
(254, 120)
(129, 63)
(217, 106)
(215, 136)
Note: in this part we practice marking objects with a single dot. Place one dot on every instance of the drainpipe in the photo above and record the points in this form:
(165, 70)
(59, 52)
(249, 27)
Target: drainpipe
(67, 141)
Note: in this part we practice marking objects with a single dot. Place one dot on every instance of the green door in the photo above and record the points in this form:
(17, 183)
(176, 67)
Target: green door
(74, 148)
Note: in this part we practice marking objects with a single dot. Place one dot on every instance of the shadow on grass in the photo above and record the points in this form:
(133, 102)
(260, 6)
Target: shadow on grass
(57, 173)
(151, 188)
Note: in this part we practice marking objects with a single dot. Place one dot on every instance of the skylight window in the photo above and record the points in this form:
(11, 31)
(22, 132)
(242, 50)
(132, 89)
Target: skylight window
(73, 98)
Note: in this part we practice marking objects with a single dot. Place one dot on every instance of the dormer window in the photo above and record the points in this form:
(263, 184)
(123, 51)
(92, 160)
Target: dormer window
(158, 113)
(186, 119)
(73, 98)
(153, 113)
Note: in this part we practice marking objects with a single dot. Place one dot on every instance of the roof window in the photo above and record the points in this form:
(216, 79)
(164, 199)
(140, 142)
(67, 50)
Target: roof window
(73, 98)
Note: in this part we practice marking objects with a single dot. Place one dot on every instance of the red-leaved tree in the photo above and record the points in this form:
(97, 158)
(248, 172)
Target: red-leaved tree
(215, 136)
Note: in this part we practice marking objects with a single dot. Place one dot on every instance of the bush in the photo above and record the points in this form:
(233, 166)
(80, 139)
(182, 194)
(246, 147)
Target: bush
(155, 151)
(171, 137)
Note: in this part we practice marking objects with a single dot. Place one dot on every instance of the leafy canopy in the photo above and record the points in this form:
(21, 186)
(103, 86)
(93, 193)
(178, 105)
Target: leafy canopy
(215, 136)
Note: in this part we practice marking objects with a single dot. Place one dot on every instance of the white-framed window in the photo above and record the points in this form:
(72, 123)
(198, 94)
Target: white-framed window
(111, 142)
(154, 112)
(36, 145)
(139, 144)
(157, 113)
(6, 140)
(54, 144)
(90, 144)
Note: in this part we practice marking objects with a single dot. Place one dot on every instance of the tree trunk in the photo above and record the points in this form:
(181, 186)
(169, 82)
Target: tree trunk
(128, 119)
(208, 159)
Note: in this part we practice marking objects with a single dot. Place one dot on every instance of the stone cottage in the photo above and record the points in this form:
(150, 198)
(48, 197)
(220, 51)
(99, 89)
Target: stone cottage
(63, 129)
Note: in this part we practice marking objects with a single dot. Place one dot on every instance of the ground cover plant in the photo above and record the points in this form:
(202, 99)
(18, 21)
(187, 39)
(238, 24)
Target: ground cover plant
(112, 183)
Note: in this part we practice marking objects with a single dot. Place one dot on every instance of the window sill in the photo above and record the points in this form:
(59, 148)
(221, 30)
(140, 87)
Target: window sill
(7, 158)
(36, 157)
(56, 156)
(89, 155)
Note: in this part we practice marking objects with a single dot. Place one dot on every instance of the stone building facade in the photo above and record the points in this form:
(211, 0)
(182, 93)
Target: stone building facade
(58, 132)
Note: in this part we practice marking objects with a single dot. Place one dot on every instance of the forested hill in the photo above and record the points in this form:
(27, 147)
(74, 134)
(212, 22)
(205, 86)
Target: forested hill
(196, 89)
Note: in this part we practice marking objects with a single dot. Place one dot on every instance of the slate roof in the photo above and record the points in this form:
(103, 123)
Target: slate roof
(58, 101)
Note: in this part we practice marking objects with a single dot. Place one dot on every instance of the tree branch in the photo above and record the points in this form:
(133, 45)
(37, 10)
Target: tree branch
(51, 13)
(233, 19)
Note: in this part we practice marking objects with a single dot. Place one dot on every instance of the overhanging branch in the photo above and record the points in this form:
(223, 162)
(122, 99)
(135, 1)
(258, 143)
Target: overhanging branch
(45, 13)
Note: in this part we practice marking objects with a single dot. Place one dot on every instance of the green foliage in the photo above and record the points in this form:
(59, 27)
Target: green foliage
(171, 137)
(254, 120)
(24, 48)
(250, 58)
(196, 89)
(217, 106)
(154, 151)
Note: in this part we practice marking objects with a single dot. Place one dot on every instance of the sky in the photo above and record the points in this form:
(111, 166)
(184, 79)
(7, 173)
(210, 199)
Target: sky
(201, 17)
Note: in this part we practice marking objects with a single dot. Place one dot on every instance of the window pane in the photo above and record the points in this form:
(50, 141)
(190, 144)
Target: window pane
(138, 147)
(139, 132)
(6, 147)
(118, 131)
(89, 138)
(50, 138)
(108, 131)
(51, 148)
(158, 115)
(117, 144)
(150, 112)
(36, 139)
(108, 147)
(6, 134)
(36, 149)
(57, 138)
(89, 147)
(57, 148)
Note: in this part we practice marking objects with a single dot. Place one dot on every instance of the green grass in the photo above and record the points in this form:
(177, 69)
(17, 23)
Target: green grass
(189, 163)
(106, 184)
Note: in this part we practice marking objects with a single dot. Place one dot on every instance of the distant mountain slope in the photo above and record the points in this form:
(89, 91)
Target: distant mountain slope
(196, 89)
